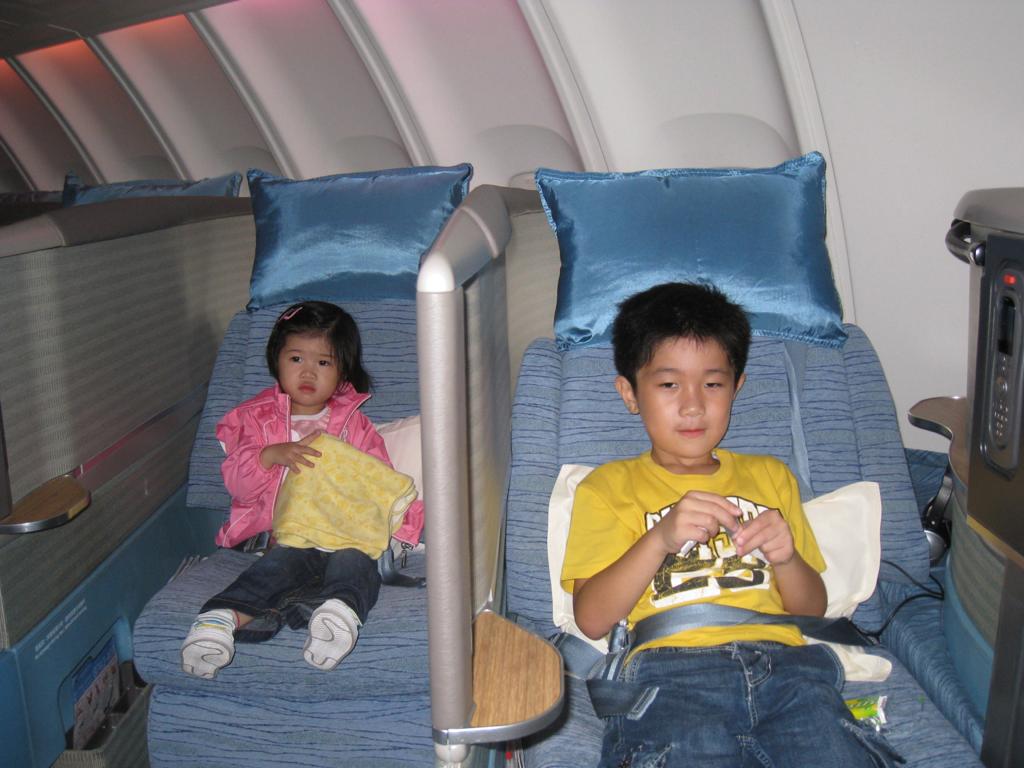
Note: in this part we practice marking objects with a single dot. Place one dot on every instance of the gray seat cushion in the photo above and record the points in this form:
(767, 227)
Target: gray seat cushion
(827, 413)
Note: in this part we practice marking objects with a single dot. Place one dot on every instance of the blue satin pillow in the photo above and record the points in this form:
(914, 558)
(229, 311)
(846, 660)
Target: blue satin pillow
(350, 236)
(757, 234)
(76, 193)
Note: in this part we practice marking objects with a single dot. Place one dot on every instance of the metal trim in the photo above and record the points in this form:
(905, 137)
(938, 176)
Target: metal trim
(276, 144)
(563, 77)
(65, 126)
(493, 733)
(111, 461)
(6, 502)
(102, 53)
(787, 39)
(383, 76)
(92, 473)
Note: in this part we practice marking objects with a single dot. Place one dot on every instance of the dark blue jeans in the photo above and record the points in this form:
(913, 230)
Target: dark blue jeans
(287, 584)
(742, 705)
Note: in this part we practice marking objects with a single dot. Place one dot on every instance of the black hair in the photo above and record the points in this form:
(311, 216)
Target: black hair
(678, 311)
(321, 318)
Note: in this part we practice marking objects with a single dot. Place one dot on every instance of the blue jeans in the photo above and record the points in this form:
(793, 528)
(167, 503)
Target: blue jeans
(287, 584)
(741, 705)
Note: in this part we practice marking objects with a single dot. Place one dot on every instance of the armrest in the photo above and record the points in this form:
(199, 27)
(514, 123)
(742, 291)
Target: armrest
(53, 503)
(60, 499)
(477, 232)
(517, 681)
(465, 408)
(949, 417)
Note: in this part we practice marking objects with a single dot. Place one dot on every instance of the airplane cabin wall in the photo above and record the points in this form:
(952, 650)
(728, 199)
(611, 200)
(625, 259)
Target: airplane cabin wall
(913, 103)
(922, 102)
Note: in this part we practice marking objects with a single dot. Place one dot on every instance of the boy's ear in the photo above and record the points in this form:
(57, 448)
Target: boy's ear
(739, 385)
(627, 394)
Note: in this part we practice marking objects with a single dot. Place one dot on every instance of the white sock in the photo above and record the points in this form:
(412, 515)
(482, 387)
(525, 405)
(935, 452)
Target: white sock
(210, 643)
(333, 630)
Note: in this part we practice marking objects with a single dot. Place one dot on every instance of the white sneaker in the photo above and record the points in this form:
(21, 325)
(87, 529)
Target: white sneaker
(210, 643)
(333, 630)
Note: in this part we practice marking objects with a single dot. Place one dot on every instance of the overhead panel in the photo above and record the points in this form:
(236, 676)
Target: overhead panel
(183, 93)
(107, 126)
(656, 83)
(37, 144)
(475, 83)
(305, 84)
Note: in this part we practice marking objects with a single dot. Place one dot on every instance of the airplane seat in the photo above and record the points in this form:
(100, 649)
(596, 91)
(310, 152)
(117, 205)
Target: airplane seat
(566, 411)
(846, 414)
(112, 316)
(268, 707)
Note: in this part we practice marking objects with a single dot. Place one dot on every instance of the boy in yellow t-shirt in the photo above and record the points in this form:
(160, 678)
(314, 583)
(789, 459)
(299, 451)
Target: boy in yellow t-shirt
(687, 523)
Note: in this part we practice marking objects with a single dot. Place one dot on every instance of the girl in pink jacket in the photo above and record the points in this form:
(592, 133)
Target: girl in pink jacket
(315, 353)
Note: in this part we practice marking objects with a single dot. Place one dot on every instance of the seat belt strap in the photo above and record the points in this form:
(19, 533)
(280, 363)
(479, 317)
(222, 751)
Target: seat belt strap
(611, 696)
(689, 617)
(390, 573)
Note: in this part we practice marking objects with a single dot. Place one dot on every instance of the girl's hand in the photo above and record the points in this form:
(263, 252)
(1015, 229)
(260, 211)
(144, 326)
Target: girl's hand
(770, 532)
(291, 455)
(697, 516)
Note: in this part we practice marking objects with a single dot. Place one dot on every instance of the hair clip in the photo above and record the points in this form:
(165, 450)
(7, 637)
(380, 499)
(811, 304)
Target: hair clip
(289, 313)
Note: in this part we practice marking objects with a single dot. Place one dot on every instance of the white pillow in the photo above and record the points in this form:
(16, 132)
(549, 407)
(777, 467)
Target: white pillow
(846, 524)
(402, 438)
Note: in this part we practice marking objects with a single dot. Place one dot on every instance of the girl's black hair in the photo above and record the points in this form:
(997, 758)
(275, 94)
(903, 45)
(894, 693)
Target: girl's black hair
(321, 318)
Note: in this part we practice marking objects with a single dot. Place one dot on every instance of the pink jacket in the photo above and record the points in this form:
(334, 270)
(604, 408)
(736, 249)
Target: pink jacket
(264, 420)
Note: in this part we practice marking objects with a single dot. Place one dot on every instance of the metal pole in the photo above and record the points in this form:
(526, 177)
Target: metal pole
(6, 502)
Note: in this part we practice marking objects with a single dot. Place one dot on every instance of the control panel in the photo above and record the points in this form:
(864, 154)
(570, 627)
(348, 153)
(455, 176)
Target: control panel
(996, 495)
(1005, 379)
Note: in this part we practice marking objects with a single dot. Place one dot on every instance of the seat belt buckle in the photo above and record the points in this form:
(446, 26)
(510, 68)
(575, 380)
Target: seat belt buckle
(618, 638)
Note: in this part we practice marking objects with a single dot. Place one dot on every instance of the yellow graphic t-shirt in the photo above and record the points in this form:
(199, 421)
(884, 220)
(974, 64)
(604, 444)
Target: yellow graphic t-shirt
(619, 502)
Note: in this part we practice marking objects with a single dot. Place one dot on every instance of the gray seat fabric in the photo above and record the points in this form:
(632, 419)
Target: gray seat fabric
(916, 637)
(268, 707)
(566, 411)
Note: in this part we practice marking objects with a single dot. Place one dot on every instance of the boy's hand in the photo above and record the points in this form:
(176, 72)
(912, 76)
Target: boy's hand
(697, 516)
(290, 455)
(768, 532)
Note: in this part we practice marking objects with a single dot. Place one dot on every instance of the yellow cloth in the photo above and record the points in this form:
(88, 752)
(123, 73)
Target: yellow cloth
(618, 502)
(349, 500)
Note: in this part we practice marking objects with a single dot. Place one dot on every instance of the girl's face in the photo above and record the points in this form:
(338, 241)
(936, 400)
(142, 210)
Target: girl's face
(308, 372)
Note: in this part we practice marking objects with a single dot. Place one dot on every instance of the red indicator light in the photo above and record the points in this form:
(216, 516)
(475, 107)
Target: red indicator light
(1009, 279)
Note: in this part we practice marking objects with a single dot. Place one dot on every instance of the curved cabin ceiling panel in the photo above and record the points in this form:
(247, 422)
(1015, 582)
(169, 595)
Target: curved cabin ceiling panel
(182, 91)
(657, 83)
(114, 138)
(475, 84)
(37, 144)
(305, 84)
